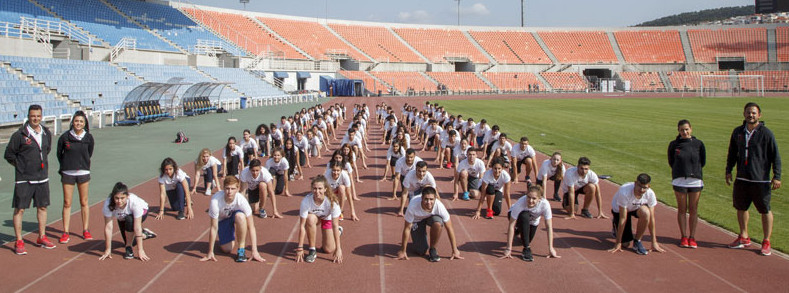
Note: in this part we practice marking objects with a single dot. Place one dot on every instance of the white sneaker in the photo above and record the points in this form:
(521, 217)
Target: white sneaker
(208, 192)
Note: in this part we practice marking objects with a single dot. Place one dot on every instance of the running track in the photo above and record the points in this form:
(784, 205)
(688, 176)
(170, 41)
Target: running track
(370, 245)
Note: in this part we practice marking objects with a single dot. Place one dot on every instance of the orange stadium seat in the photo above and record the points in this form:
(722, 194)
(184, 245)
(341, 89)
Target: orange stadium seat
(566, 81)
(650, 46)
(689, 80)
(402, 81)
(313, 38)
(460, 81)
(254, 38)
(782, 43)
(580, 47)
(513, 81)
(438, 44)
(511, 47)
(750, 43)
(377, 42)
(773, 80)
(370, 83)
(643, 81)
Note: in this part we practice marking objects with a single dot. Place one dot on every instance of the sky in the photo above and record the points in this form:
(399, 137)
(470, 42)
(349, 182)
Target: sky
(551, 13)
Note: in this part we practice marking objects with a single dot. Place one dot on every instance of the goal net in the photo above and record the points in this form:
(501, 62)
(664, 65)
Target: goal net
(731, 85)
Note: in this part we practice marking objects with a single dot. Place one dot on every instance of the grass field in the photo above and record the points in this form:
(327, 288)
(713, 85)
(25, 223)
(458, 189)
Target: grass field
(626, 136)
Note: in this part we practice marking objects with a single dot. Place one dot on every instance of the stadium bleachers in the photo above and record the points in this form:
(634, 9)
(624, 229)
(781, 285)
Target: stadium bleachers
(513, 81)
(16, 95)
(377, 42)
(583, 47)
(243, 81)
(401, 81)
(643, 81)
(750, 43)
(650, 46)
(782, 43)
(689, 80)
(245, 33)
(370, 84)
(313, 38)
(437, 45)
(460, 81)
(170, 23)
(773, 80)
(100, 20)
(566, 81)
(12, 10)
(511, 47)
(162, 73)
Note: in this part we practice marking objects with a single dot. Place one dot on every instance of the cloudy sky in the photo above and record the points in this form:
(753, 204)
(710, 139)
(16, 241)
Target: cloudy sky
(551, 13)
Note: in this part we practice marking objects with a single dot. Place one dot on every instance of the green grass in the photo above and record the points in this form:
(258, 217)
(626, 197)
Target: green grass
(626, 136)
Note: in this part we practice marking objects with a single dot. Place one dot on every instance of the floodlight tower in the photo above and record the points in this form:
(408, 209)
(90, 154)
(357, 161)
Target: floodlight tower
(244, 2)
(458, 12)
(523, 16)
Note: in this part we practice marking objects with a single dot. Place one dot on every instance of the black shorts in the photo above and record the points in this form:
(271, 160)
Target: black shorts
(253, 195)
(687, 189)
(25, 192)
(758, 193)
(566, 197)
(68, 179)
(419, 233)
(627, 234)
(393, 161)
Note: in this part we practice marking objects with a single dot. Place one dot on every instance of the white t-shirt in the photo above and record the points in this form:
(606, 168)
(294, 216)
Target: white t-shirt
(348, 168)
(403, 168)
(235, 152)
(624, 197)
(343, 180)
(481, 130)
(302, 144)
(280, 167)
(445, 142)
(250, 144)
(466, 126)
(571, 178)
(252, 183)
(490, 137)
(541, 209)
(499, 183)
(411, 183)
(521, 154)
(391, 153)
(547, 169)
(474, 170)
(325, 211)
(276, 134)
(414, 213)
(219, 209)
(212, 161)
(461, 153)
(135, 206)
(169, 183)
(355, 141)
(506, 149)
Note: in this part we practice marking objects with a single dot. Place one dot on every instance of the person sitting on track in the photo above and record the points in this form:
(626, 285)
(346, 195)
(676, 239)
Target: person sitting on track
(552, 169)
(524, 217)
(523, 154)
(634, 199)
(174, 185)
(207, 168)
(495, 186)
(130, 211)
(231, 222)
(319, 209)
(258, 184)
(467, 176)
(414, 182)
(340, 183)
(427, 211)
(581, 180)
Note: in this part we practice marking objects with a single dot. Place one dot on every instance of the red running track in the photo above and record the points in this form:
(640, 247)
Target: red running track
(371, 244)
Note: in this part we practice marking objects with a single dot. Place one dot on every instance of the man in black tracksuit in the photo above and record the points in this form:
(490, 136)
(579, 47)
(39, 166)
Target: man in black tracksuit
(27, 151)
(754, 151)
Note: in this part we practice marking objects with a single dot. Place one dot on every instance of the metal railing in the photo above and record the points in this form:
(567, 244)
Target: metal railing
(57, 28)
(127, 43)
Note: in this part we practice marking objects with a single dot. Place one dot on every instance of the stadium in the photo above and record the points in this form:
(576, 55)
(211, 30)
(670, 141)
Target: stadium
(212, 72)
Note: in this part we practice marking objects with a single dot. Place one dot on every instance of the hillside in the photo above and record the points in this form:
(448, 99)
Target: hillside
(690, 18)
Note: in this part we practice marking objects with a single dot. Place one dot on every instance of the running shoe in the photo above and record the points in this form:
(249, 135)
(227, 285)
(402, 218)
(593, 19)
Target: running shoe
(241, 257)
(340, 229)
(527, 254)
(148, 234)
(64, 238)
(86, 235)
(556, 197)
(465, 196)
(684, 243)
(639, 248)
(692, 243)
(129, 253)
(45, 243)
(208, 192)
(586, 214)
(433, 257)
(311, 255)
(180, 215)
(263, 214)
(19, 248)
(449, 165)
(766, 248)
(740, 242)
(489, 214)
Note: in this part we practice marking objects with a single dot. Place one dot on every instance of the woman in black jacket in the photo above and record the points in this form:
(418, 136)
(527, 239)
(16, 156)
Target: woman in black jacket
(74, 149)
(687, 156)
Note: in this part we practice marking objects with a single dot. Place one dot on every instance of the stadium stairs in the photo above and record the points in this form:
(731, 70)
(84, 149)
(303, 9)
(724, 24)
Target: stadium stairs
(145, 27)
(84, 31)
(486, 81)
(545, 48)
(348, 43)
(476, 44)
(615, 45)
(391, 30)
(265, 27)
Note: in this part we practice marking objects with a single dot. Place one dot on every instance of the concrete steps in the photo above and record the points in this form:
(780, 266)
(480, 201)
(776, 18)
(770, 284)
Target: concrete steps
(474, 42)
(545, 48)
(348, 43)
(683, 36)
(615, 46)
(409, 45)
(272, 32)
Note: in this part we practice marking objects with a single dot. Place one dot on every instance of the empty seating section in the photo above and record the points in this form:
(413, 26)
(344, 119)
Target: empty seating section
(370, 84)
(162, 73)
(313, 38)
(773, 80)
(750, 43)
(782, 43)
(12, 10)
(170, 23)
(580, 46)
(565, 81)
(243, 81)
(650, 46)
(377, 42)
(460, 81)
(643, 81)
(511, 47)
(402, 81)
(245, 33)
(100, 20)
(689, 80)
(513, 81)
(82, 81)
(16, 95)
(438, 45)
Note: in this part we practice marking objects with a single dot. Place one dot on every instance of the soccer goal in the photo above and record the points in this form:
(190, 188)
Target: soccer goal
(731, 85)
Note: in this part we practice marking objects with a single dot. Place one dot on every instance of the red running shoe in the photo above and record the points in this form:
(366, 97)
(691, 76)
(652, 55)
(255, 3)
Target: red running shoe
(64, 238)
(684, 242)
(19, 248)
(766, 248)
(692, 243)
(86, 235)
(740, 243)
(45, 243)
(489, 214)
